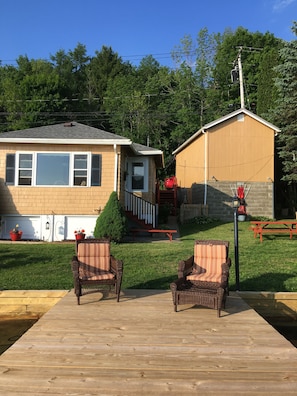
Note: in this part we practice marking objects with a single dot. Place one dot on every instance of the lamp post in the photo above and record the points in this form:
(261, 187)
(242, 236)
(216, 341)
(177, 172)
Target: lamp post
(235, 203)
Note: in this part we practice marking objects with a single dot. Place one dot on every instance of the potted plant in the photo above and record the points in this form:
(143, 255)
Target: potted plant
(79, 234)
(16, 233)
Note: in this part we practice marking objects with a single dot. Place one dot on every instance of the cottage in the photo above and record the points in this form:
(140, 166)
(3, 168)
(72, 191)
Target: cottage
(234, 151)
(57, 179)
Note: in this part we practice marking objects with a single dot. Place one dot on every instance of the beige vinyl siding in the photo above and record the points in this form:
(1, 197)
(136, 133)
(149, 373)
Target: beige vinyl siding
(239, 149)
(190, 163)
(57, 200)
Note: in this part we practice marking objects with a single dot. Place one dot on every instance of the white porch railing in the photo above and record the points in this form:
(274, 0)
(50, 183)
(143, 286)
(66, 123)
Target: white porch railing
(140, 208)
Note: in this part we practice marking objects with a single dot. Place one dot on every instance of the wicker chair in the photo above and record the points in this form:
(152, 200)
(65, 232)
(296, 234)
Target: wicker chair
(203, 279)
(94, 267)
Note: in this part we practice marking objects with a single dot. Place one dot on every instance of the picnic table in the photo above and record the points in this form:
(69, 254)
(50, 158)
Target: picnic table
(273, 227)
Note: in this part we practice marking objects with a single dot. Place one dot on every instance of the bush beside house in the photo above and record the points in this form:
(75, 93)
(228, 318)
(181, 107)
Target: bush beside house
(112, 223)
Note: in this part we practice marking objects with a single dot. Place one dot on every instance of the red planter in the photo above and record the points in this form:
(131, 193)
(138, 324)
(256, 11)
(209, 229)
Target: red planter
(170, 182)
(16, 236)
(80, 236)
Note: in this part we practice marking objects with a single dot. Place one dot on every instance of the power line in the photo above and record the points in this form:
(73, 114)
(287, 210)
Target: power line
(161, 55)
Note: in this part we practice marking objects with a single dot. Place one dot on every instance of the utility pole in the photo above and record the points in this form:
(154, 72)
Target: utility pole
(237, 76)
(240, 79)
(236, 72)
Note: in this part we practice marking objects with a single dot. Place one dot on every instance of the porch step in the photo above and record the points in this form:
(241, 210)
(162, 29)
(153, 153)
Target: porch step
(134, 219)
(168, 197)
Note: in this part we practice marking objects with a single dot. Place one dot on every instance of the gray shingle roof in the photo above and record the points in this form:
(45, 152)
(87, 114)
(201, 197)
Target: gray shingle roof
(140, 148)
(67, 131)
(76, 133)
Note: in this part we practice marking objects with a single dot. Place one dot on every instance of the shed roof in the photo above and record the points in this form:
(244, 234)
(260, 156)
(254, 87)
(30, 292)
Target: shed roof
(210, 125)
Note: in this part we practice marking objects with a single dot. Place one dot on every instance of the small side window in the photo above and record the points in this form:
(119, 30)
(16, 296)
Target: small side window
(25, 169)
(80, 169)
(10, 169)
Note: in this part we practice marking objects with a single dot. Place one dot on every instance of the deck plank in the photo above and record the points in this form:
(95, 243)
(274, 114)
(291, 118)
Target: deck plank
(141, 346)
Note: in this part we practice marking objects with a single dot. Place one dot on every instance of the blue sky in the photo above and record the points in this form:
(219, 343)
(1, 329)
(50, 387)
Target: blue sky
(133, 28)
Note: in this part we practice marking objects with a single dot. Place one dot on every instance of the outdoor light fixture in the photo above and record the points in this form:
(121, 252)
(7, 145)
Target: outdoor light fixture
(235, 204)
(47, 225)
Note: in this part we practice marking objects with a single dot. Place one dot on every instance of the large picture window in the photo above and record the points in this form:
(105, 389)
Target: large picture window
(53, 169)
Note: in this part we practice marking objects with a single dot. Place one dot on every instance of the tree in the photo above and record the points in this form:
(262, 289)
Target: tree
(285, 114)
(112, 222)
(71, 68)
(29, 93)
(103, 68)
(267, 92)
(196, 63)
(252, 45)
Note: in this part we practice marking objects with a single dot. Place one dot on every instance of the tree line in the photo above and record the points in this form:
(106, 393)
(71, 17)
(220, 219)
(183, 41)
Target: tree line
(156, 105)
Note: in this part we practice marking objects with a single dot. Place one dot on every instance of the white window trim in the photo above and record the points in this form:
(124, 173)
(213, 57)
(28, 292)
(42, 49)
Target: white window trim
(71, 168)
(145, 161)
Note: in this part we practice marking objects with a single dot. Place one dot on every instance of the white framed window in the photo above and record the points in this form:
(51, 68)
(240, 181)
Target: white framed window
(137, 174)
(53, 169)
(80, 169)
(25, 169)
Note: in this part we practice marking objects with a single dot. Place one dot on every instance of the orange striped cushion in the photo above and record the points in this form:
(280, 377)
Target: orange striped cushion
(208, 260)
(94, 261)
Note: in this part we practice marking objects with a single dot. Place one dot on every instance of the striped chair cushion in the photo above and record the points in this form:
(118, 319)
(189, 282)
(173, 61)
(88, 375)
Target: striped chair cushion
(94, 259)
(208, 260)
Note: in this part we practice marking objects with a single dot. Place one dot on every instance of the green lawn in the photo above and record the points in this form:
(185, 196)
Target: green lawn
(267, 266)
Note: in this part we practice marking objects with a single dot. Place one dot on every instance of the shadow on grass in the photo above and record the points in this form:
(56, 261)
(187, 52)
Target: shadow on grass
(271, 281)
(188, 229)
(12, 259)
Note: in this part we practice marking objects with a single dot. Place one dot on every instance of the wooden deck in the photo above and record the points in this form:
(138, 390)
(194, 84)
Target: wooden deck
(140, 347)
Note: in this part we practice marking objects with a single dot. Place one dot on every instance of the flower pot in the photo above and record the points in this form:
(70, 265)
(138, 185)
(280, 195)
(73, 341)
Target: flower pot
(80, 236)
(241, 217)
(16, 236)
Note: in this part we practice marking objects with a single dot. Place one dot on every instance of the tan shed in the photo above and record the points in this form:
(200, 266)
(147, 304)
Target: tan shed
(235, 150)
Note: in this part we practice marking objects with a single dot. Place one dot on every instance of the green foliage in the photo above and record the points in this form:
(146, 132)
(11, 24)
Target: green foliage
(284, 115)
(267, 92)
(112, 222)
(251, 58)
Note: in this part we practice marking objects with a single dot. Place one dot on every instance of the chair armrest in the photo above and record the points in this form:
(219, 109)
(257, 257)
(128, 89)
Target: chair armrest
(116, 266)
(175, 285)
(228, 262)
(225, 272)
(185, 267)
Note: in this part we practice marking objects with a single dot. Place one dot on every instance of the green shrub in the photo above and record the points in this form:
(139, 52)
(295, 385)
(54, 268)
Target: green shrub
(112, 222)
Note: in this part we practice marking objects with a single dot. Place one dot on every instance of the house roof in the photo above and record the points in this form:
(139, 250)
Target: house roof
(65, 133)
(210, 125)
(75, 133)
(139, 149)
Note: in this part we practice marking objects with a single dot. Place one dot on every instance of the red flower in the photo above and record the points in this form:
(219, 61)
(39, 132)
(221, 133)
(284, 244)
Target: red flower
(82, 231)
